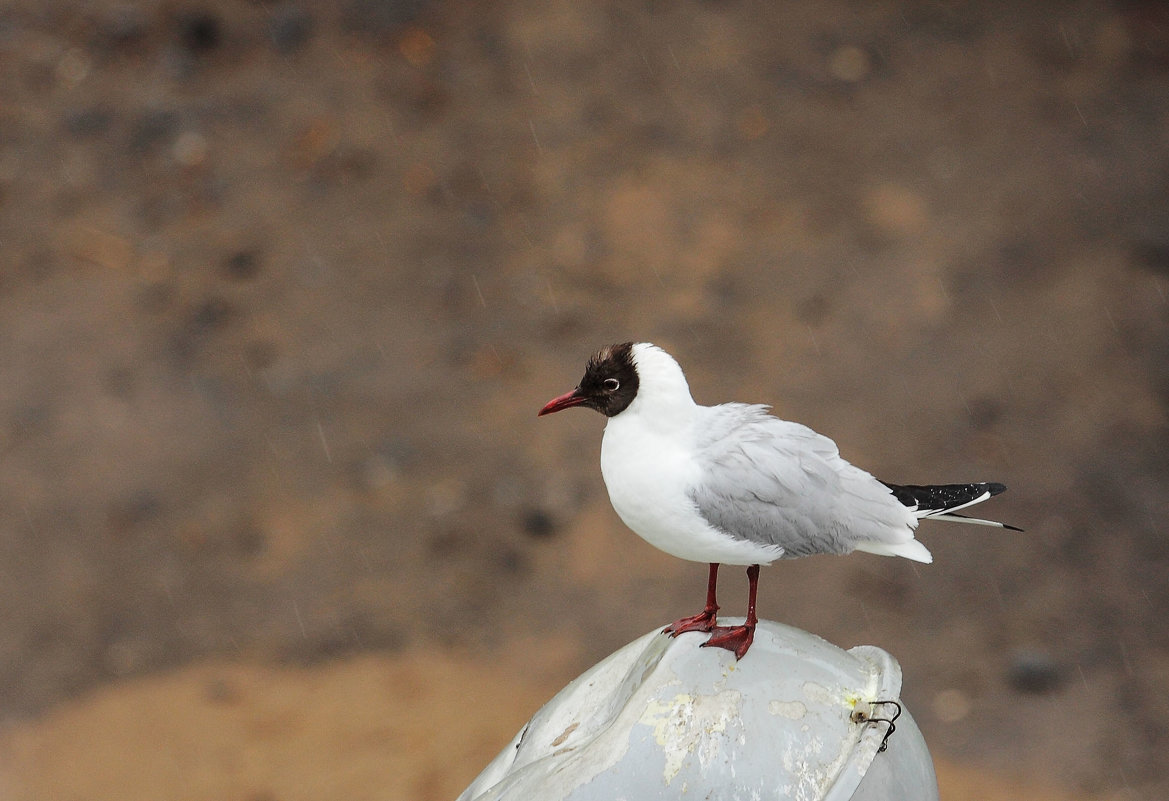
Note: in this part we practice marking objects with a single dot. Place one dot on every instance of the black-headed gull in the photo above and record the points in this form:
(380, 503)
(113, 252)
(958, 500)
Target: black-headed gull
(732, 484)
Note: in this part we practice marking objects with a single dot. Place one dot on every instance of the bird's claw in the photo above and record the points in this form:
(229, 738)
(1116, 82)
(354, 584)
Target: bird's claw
(703, 621)
(736, 639)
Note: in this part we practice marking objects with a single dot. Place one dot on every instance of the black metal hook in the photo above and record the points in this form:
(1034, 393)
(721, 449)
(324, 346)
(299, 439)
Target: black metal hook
(859, 717)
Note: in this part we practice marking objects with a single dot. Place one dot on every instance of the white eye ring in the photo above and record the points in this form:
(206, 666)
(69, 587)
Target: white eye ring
(611, 384)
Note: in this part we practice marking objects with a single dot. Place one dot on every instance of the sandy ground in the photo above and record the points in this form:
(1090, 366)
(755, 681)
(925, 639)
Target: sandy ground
(283, 286)
(368, 727)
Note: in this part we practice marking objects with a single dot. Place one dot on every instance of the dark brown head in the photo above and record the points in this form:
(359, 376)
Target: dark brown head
(609, 385)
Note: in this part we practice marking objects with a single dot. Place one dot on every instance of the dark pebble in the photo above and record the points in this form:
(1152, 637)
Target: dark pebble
(120, 381)
(378, 17)
(202, 323)
(1152, 256)
(1033, 671)
(199, 32)
(511, 561)
(221, 691)
(92, 121)
(242, 265)
(152, 129)
(211, 314)
(122, 26)
(155, 298)
(30, 421)
(249, 540)
(985, 411)
(538, 523)
(260, 355)
(289, 28)
(130, 512)
(814, 310)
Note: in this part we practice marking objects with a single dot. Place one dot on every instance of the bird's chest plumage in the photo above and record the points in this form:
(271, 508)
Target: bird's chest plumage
(650, 474)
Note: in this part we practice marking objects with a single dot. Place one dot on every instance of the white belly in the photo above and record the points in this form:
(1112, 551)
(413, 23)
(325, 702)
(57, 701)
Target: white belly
(649, 477)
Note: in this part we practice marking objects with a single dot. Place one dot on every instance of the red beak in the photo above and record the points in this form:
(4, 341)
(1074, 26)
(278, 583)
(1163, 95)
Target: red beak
(565, 401)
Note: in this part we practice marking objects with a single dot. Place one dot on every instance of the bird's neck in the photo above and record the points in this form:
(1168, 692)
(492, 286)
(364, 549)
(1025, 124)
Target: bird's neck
(663, 400)
(666, 410)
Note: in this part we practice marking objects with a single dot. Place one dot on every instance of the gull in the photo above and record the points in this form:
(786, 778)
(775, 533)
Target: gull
(732, 484)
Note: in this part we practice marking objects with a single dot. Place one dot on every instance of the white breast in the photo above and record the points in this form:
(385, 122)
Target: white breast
(649, 472)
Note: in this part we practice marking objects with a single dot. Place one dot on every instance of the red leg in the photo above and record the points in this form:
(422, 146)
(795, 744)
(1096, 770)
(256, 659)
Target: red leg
(704, 620)
(739, 638)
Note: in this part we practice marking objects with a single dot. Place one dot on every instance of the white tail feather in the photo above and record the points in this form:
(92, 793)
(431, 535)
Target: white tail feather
(910, 549)
(973, 520)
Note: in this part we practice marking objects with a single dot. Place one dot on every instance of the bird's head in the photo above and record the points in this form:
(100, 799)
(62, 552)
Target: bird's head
(609, 385)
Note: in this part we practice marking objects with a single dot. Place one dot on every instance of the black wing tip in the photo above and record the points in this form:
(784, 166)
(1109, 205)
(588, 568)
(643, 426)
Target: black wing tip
(939, 497)
(995, 488)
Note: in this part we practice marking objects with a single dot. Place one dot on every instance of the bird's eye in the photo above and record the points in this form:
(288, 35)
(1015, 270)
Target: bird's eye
(611, 384)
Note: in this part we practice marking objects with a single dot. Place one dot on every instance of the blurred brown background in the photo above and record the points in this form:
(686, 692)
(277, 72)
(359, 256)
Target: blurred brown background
(282, 286)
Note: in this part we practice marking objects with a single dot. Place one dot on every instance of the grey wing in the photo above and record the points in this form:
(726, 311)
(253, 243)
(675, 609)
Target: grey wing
(774, 482)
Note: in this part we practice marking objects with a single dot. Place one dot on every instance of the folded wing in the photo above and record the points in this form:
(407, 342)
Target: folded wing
(774, 482)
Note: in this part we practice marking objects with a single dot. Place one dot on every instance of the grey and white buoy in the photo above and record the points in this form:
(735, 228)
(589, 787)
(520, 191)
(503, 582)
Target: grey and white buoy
(799, 719)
